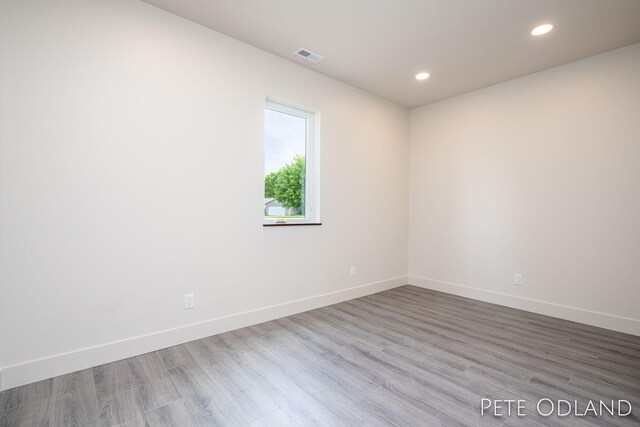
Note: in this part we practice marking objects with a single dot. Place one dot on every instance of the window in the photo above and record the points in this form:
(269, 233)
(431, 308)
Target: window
(290, 168)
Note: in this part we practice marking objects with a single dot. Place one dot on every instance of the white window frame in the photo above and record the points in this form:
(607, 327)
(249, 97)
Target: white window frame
(312, 157)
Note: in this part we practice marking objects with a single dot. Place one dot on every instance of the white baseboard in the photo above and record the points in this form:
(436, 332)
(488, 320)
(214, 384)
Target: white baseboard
(60, 364)
(575, 314)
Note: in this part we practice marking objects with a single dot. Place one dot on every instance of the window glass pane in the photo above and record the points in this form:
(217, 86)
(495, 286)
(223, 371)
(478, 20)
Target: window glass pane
(284, 181)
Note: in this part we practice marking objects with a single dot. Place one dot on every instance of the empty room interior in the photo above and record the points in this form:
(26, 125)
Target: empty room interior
(319, 213)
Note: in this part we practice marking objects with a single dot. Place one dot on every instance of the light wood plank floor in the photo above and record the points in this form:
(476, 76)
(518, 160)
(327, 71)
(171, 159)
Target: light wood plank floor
(407, 357)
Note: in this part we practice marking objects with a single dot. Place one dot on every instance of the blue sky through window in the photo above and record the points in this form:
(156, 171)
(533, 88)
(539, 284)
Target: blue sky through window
(285, 136)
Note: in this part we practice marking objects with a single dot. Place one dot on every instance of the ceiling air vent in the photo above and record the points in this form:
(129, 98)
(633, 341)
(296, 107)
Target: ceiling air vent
(307, 54)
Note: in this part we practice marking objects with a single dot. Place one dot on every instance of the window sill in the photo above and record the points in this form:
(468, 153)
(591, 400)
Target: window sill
(287, 224)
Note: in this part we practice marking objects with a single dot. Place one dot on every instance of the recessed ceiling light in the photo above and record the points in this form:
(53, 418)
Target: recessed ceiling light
(541, 29)
(422, 76)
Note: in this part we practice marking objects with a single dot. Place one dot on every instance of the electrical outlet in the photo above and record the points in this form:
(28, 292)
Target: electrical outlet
(352, 272)
(517, 279)
(189, 301)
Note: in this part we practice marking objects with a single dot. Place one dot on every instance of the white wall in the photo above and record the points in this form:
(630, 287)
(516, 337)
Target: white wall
(540, 176)
(123, 129)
